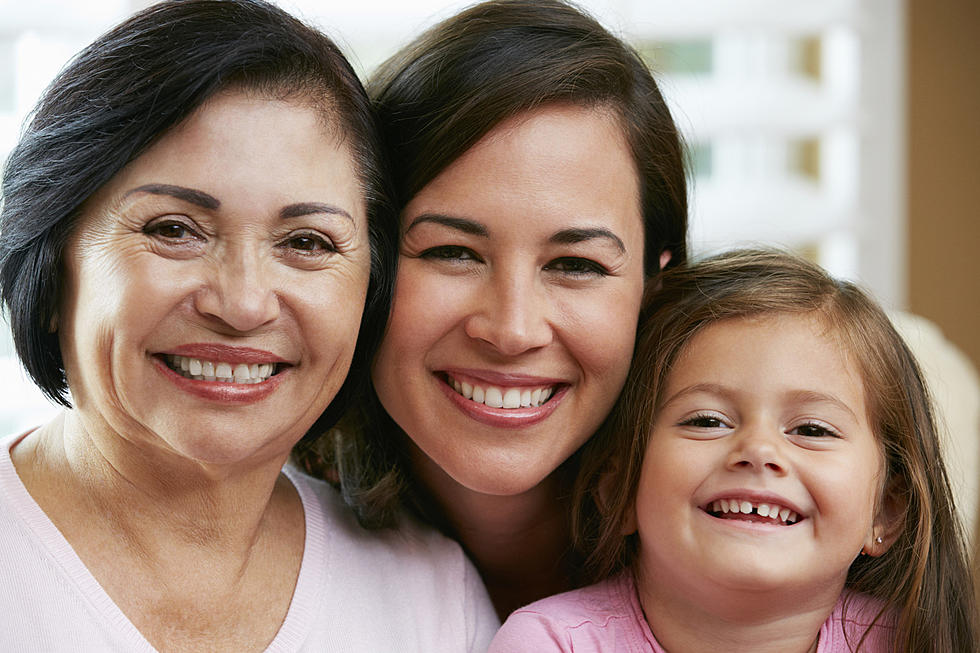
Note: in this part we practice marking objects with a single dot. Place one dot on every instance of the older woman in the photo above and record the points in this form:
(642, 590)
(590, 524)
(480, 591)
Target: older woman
(541, 186)
(191, 224)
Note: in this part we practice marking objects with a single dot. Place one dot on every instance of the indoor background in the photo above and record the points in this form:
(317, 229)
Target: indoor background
(846, 130)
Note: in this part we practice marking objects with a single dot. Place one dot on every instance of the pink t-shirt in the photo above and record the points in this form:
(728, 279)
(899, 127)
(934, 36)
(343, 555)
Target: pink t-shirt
(607, 618)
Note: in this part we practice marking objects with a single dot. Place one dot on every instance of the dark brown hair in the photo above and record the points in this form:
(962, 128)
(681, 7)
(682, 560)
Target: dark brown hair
(124, 92)
(923, 577)
(436, 99)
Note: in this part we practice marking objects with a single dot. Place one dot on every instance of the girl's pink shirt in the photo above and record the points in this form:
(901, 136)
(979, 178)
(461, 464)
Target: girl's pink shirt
(607, 617)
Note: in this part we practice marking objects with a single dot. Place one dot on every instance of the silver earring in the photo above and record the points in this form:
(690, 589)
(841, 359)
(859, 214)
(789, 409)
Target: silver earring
(878, 539)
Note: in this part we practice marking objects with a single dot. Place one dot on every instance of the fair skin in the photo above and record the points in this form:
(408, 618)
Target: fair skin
(768, 414)
(519, 284)
(222, 245)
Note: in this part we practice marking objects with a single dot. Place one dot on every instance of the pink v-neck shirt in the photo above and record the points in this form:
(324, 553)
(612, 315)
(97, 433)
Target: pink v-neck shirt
(607, 618)
(357, 590)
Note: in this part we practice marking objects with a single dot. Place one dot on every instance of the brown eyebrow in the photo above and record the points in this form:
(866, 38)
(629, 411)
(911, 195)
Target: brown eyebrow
(206, 201)
(200, 198)
(797, 396)
(309, 208)
(579, 235)
(461, 224)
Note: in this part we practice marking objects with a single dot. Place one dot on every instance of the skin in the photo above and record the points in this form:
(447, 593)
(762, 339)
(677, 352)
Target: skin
(235, 232)
(521, 267)
(769, 410)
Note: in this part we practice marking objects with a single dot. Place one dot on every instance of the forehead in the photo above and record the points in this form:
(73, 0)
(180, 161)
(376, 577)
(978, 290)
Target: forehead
(558, 163)
(772, 353)
(248, 150)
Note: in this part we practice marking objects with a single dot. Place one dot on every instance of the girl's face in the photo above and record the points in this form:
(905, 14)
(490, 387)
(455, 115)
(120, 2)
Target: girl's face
(762, 471)
(515, 309)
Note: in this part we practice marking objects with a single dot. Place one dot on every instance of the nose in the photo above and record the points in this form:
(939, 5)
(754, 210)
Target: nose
(512, 316)
(239, 292)
(759, 449)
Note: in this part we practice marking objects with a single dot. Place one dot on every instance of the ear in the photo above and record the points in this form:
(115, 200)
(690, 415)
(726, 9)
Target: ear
(887, 525)
(665, 257)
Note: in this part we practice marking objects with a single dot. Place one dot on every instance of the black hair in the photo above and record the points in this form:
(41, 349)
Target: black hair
(124, 92)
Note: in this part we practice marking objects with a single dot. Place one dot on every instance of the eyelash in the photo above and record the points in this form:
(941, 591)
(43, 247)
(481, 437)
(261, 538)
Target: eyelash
(577, 267)
(320, 243)
(569, 265)
(698, 421)
(158, 227)
(825, 430)
(454, 253)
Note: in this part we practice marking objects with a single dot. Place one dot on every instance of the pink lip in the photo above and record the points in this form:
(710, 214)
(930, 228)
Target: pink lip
(501, 379)
(213, 351)
(219, 391)
(507, 418)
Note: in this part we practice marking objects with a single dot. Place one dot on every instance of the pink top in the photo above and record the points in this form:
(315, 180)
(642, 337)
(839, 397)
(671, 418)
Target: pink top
(409, 589)
(607, 617)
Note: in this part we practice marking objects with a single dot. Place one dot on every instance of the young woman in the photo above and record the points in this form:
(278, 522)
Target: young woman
(541, 184)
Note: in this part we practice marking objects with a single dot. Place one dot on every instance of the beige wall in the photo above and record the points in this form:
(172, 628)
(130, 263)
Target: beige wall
(944, 166)
(944, 171)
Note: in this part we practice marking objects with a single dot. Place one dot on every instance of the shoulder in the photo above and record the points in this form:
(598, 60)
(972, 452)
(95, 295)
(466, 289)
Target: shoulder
(858, 616)
(419, 582)
(601, 617)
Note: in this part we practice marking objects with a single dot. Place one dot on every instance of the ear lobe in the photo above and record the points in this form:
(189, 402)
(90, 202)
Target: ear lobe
(887, 526)
(665, 257)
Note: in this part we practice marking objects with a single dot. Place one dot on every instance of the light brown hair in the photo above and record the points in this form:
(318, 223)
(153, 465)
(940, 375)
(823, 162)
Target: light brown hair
(923, 578)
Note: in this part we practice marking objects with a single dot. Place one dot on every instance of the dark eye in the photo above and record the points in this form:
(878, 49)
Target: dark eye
(308, 243)
(576, 266)
(704, 422)
(170, 230)
(811, 430)
(449, 253)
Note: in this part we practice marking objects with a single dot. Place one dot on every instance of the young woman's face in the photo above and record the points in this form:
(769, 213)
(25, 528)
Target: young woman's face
(215, 285)
(762, 471)
(519, 284)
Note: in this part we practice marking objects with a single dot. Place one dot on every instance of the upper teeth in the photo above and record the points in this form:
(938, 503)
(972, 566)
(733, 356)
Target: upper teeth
(203, 370)
(502, 397)
(770, 510)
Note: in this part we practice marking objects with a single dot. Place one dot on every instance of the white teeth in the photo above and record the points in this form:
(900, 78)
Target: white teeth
(497, 397)
(740, 506)
(494, 398)
(204, 370)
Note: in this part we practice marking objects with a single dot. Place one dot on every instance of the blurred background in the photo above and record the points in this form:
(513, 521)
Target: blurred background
(846, 130)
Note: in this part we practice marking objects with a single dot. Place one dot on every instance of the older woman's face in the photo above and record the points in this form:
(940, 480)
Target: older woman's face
(518, 289)
(215, 285)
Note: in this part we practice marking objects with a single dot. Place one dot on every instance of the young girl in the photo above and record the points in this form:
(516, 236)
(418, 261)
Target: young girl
(770, 480)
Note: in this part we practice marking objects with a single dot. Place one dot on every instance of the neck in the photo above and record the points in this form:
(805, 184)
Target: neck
(738, 621)
(519, 543)
(150, 500)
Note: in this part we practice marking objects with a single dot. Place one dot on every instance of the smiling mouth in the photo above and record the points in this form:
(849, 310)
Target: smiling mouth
(200, 369)
(502, 397)
(745, 510)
